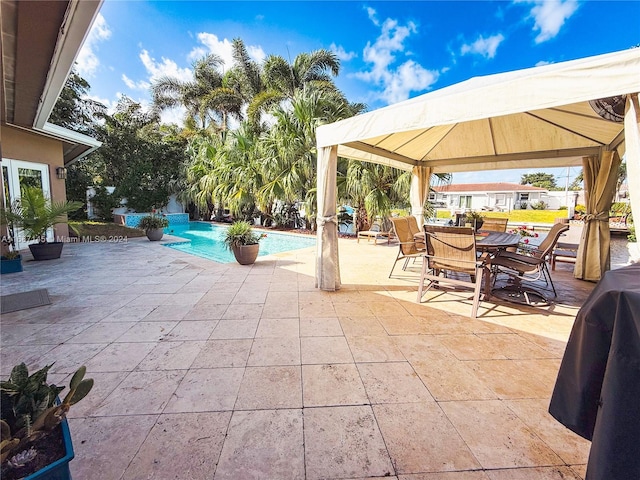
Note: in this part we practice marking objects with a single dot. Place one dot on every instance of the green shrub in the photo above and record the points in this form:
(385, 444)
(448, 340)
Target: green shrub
(241, 233)
(104, 203)
(539, 205)
(152, 222)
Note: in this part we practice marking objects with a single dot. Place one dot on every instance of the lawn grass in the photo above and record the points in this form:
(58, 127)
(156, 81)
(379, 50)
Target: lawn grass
(89, 229)
(519, 216)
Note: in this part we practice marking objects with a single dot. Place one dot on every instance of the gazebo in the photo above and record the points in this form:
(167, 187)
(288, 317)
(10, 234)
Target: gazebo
(581, 112)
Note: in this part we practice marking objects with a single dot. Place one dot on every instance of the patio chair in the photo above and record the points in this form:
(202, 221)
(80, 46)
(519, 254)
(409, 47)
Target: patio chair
(494, 224)
(452, 250)
(374, 233)
(408, 248)
(529, 264)
(566, 250)
(415, 230)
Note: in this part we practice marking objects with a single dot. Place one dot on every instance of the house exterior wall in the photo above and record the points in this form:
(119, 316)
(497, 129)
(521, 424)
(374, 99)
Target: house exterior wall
(503, 201)
(18, 144)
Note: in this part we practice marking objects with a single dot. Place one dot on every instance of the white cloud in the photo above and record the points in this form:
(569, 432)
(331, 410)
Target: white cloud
(173, 115)
(550, 16)
(256, 53)
(166, 67)
(373, 16)
(542, 62)
(409, 77)
(196, 53)
(397, 82)
(341, 53)
(141, 85)
(223, 48)
(87, 60)
(486, 47)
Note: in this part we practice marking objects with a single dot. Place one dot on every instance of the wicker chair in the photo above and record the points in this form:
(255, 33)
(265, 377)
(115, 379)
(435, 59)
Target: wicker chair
(408, 248)
(494, 224)
(531, 265)
(452, 250)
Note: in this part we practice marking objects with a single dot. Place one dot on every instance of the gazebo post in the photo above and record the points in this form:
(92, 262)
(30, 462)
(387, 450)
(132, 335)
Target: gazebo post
(327, 267)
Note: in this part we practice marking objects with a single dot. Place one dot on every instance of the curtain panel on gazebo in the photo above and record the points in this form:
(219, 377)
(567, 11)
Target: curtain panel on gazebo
(420, 176)
(600, 176)
(327, 267)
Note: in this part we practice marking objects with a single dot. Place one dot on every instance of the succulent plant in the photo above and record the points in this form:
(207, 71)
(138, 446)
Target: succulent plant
(22, 458)
(29, 407)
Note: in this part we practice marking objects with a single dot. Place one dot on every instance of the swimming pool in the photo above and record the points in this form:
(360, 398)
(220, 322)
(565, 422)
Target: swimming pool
(206, 240)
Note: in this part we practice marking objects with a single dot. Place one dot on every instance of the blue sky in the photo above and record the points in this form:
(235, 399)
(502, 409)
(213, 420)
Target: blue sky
(390, 51)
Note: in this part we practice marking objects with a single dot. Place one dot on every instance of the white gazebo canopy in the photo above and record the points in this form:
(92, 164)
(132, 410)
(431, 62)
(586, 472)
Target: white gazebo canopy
(538, 117)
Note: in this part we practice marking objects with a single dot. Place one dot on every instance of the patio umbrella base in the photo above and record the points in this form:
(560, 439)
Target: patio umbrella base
(520, 295)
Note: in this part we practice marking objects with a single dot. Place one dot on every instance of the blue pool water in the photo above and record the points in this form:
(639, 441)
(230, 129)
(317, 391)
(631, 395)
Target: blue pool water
(206, 240)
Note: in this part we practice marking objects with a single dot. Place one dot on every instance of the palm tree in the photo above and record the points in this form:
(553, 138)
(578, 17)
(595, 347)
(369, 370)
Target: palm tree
(314, 69)
(239, 173)
(290, 146)
(206, 98)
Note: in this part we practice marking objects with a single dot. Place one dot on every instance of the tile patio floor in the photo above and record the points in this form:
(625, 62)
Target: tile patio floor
(219, 371)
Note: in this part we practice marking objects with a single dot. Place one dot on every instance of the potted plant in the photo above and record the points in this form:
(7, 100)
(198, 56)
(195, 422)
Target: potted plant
(243, 242)
(11, 260)
(36, 443)
(475, 219)
(34, 214)
(154, 225)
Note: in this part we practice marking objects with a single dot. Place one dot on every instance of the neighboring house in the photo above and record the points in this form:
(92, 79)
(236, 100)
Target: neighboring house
(40, 42)
(487, 196)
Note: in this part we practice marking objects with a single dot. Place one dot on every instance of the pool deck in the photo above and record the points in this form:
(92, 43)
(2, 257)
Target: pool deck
(207, 370)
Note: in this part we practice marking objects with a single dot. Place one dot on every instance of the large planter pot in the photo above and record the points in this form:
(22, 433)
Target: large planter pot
(155, 234)
(246, 254)
(12, 265)
(46, 251)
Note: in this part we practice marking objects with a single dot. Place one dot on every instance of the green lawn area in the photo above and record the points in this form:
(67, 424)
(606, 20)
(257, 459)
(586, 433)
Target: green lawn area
(519, 216)
(102, 229)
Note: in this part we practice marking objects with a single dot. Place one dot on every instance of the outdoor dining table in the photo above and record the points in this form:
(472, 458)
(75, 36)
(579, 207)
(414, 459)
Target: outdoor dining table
(489, 242)
(493, 241)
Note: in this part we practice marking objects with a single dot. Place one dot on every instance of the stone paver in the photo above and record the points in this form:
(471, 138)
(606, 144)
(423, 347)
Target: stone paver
(246, 372)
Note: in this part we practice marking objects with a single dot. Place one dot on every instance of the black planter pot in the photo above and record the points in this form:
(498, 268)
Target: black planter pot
(12, 265)
(46, 251)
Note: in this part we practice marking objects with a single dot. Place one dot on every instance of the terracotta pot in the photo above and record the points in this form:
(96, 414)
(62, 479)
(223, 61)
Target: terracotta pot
(154, 234)
(46, 251)
(246, 254)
